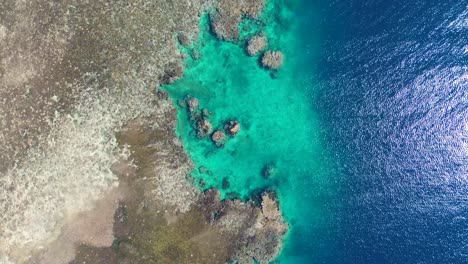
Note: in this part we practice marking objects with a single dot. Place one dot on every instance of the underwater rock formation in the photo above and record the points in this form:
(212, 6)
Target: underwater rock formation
(172, 73)
(193, 104)
(273, 59)
(269, 170)
(218, 138)
(232, 127)
(256, 44)
(183, 39)
(204, 128)
(195, 54)
(228, 14)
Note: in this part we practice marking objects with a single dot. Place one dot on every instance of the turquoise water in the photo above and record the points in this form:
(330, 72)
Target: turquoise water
(278, 124)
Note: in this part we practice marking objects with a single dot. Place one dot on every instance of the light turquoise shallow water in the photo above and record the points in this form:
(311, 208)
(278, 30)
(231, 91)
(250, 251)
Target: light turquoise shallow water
(275, 111)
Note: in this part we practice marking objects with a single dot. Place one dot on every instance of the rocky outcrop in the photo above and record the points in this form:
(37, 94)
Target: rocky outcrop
(232, 127)
(256, 44)
(218, 138)
(228, 14)
(273, 60)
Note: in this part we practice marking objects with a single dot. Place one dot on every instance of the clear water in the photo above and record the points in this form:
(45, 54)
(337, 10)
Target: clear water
(365, 122)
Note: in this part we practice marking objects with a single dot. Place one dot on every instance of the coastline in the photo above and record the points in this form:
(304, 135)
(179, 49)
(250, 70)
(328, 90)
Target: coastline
(105, 159)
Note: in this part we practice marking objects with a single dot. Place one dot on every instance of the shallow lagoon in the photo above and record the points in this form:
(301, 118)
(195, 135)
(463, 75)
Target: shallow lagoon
(275, 111)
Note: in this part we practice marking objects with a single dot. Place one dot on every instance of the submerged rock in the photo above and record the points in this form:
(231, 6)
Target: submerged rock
(204, 128)
(256, 44)
(273, 59)
(172, 73)
(193, 104)
(225, 184)
(218, 138)
(195, 54)
(269, 170)
(202, 169)
(183, 40)
(181, 103)
(232, 127)
(228, 14)
(205, 113)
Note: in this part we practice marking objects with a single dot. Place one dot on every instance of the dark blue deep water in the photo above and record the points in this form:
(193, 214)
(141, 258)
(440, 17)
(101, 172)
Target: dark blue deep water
(393, 110)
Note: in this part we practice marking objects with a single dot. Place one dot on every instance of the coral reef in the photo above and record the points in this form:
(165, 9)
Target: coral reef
(256, 44)
(232, 127)
(183, 39)
(172, 72)
(273, 59)
(204, 128)
(228, 14)
(218, 138)
(193, 104)
(149, 229)
(269, 170)
(91, 169)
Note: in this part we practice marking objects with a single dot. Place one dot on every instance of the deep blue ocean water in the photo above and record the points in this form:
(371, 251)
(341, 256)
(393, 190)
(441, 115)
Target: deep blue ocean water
(393, 110)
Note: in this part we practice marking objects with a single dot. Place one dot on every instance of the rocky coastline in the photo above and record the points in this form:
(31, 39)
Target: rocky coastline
(110, 180)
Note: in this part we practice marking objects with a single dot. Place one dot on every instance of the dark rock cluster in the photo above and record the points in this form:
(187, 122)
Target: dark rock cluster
(202, 125)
